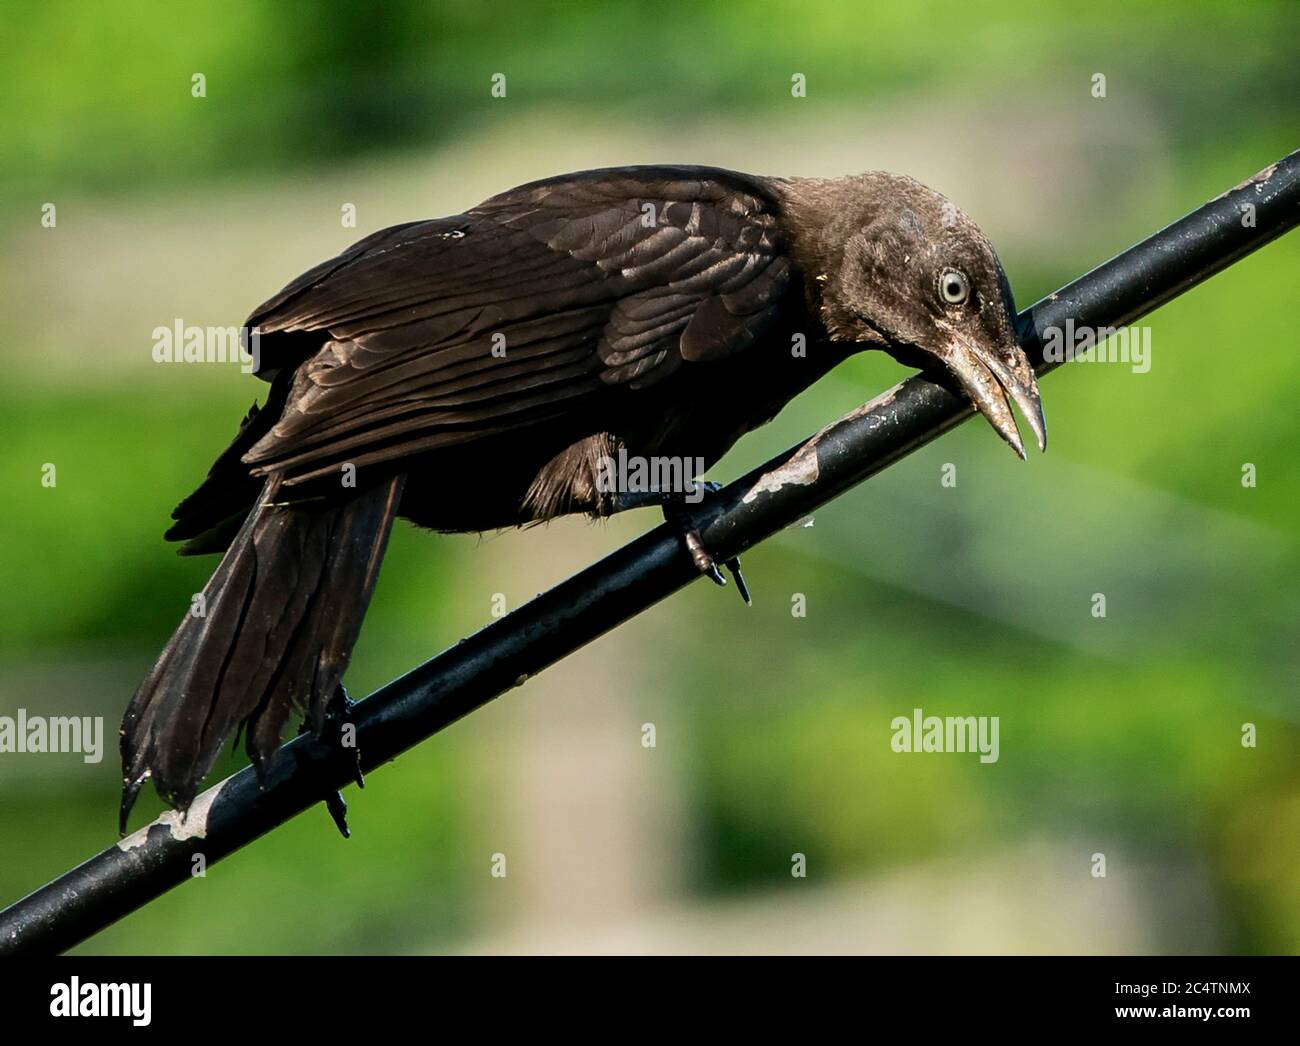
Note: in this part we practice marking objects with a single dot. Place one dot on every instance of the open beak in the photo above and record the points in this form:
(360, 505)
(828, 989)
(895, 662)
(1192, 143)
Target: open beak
(989, 378)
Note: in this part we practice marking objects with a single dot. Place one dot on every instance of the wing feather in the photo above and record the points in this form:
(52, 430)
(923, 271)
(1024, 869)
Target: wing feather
(588, 282)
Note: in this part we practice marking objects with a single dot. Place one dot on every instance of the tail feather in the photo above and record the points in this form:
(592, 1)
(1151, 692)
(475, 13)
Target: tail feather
(210, 517)
(273, 634)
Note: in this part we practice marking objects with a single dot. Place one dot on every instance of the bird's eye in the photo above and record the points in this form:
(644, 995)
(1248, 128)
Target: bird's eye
(954, 288)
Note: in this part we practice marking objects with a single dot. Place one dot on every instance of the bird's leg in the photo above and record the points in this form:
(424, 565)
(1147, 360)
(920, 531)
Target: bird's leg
(676, 510)
(337, 720)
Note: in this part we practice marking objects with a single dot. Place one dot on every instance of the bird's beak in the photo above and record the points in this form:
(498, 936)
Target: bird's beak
(989, 377)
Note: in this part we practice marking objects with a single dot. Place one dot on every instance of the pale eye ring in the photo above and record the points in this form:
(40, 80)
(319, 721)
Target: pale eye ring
(954, 288)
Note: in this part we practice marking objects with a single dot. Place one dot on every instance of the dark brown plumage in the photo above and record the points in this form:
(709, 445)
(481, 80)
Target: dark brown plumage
(469, 373)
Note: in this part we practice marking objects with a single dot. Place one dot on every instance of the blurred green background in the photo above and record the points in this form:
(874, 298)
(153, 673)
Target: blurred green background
(1119, 736)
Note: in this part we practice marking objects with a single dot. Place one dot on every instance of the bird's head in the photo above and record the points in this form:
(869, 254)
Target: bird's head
(916, 277)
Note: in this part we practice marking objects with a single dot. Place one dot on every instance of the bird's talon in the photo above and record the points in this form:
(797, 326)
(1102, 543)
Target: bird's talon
(336, 718)
(338, 809)
(733, 565)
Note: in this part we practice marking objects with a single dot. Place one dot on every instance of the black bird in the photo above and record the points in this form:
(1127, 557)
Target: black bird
(470, 373)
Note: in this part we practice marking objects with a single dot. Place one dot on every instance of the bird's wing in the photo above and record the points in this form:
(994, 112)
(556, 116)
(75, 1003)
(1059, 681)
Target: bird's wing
(552, 294)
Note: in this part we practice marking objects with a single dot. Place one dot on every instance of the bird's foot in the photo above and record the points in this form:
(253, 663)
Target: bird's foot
(708, 566)
(338, 728)
(675, 511)
(341, 728)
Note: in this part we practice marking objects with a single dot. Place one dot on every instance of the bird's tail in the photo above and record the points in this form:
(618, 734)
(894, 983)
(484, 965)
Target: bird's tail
(271, 632)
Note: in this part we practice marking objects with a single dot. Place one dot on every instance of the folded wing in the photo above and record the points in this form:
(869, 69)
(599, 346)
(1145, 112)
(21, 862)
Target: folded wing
(568, 291)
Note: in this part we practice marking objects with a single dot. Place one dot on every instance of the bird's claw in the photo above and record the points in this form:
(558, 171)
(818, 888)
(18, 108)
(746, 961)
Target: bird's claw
(338, 809)
(708, 566)
(336, 718)
(733, 564)
(674, 511)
